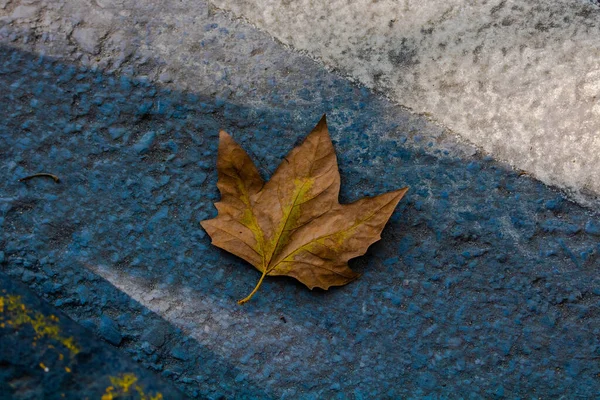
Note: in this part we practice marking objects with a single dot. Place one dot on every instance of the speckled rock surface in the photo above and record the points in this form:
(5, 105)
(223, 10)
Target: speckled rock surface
(517, 78)
(484, 284)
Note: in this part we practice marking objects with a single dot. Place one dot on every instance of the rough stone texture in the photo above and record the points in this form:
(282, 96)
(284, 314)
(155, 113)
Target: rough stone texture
(24, 12)
(88, 39)
(517, 78)
(484, 284)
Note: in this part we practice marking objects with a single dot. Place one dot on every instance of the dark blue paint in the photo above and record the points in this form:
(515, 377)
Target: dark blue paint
(89, 371)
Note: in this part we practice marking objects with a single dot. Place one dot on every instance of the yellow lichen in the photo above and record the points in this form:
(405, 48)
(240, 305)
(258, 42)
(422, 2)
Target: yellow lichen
(17, 314)
(108, 395)
(123, 382)
(121, 385)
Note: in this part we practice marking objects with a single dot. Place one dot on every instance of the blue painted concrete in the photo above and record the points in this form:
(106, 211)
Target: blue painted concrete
(484, 285)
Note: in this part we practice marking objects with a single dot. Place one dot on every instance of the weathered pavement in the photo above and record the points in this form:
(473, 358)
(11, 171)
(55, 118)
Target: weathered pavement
(517, 78)
(484, 284)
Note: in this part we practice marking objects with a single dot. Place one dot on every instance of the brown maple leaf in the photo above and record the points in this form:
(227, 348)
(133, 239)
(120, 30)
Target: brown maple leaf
(293, 225)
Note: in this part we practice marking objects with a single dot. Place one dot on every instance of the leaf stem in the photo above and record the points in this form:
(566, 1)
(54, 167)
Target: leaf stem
(245, 299)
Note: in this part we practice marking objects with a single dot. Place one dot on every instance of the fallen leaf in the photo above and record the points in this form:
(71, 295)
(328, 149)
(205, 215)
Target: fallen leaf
(293, 225)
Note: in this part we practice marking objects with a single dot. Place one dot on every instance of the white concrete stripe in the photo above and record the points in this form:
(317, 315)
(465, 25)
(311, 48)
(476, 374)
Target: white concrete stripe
(518, 78)
(257, 343)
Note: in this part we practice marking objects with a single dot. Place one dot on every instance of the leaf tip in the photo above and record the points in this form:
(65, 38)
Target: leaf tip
(401, 192)
(224, 136)
(322, 124)
(205, 224)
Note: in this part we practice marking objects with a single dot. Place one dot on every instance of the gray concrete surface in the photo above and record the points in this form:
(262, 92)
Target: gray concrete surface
(187, 45)
(518, 78)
